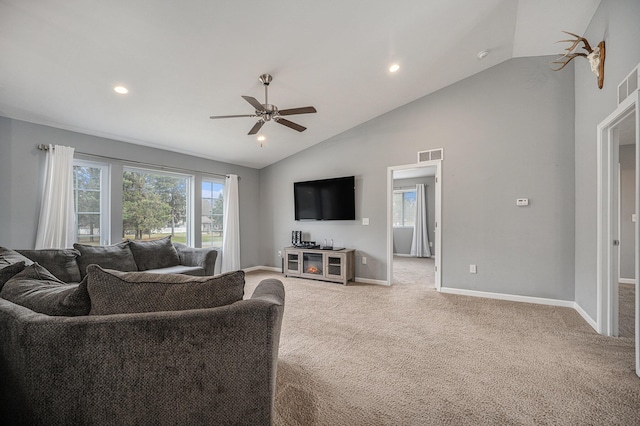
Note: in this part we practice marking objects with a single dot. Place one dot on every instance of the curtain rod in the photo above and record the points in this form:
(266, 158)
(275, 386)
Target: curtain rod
(43, 147)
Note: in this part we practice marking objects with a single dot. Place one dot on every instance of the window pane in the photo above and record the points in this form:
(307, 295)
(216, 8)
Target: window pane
(212, 213)
(88, 201)
(87, 191)
(409, 208)
(154, 205)
(87, 177)
(397, 209)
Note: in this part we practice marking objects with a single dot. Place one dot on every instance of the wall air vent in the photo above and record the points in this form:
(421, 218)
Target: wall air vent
(431, 155)
(629, 85)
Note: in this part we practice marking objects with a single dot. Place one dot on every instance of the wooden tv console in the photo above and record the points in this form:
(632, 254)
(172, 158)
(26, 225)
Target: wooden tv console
(316, 264)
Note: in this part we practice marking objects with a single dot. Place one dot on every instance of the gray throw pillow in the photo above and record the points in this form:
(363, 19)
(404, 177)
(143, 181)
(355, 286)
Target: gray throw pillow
(39, 290)
(154, 254)
(114, 292)
(60, 262)
(8, 270)
(117, 256)
(13, 256)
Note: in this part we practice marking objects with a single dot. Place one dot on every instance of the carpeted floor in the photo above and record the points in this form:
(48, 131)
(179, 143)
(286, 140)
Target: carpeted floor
(414, 271)
(626, 310)
(405, 355)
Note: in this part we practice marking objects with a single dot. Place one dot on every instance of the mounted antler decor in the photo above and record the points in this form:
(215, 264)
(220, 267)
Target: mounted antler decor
(595, 56)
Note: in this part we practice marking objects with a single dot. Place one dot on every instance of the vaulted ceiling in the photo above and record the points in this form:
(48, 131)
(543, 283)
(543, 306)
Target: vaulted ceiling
(184, 61)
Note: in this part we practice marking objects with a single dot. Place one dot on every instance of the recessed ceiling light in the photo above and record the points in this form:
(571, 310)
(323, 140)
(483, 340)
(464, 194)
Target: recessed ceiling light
(483, 54)
(394, 68)
(121, 89)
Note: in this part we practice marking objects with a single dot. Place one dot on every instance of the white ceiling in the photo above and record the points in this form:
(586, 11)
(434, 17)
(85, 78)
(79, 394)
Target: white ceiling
(186, 60)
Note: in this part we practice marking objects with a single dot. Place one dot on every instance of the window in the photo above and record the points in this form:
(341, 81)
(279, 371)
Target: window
(212, 213)
(90, 194)
(155, 205)
(404, 207)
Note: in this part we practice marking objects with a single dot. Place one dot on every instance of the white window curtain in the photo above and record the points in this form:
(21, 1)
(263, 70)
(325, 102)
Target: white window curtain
(420, 241)
(56, 226)
(231, 226)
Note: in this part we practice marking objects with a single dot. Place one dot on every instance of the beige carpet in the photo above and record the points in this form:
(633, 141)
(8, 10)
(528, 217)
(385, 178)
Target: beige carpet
(626, 310)
(405, 355)
(415, 271)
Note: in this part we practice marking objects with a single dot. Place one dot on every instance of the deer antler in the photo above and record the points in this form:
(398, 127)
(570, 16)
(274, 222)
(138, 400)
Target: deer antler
(569, 50)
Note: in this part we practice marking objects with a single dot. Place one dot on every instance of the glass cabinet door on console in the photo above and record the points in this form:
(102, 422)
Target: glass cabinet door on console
(293, 263)
(334, 267)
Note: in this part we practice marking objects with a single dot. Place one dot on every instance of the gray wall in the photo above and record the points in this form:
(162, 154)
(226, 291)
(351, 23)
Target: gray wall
(627, 208)
(507, 133)
(403, 236)
(22, 164)
(616, 21)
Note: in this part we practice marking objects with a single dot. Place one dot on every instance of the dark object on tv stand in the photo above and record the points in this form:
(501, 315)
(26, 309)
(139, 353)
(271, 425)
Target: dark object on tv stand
(306, 244)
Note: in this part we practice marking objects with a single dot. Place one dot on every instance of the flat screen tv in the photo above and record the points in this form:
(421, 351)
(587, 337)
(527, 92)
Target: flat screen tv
(326, 199)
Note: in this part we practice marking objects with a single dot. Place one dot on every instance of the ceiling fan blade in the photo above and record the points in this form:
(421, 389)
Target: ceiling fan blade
(291, 124)
(254, 102)
(232, 116)
(301, 110)
(256, 127)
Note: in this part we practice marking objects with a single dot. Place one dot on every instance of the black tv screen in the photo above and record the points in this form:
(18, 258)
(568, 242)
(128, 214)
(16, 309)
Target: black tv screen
(326, 199)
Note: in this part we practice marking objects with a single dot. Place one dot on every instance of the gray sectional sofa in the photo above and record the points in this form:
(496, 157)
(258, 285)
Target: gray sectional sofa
(131, 347)
(158, 256)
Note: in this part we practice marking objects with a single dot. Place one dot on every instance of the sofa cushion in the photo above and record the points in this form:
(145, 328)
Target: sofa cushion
(8, 270)
(117, 256)
(154, 254)
(115, 292)
(60, 262)
(39, 290)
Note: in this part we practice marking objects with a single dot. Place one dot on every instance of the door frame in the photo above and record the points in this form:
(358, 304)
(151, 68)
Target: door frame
(607, 220)
(438, 217)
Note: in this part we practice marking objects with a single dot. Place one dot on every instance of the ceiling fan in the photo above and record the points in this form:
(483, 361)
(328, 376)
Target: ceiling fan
(267, 112)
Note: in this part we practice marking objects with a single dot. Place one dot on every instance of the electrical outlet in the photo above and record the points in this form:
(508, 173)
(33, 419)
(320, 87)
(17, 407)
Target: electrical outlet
(279, 253)
(365, 220)
(364, 260)
(473, 269)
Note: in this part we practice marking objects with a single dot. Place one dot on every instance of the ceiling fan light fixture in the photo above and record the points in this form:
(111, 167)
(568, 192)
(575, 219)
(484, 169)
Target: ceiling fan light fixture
(261, 138)
(394, 68)
(121, 90)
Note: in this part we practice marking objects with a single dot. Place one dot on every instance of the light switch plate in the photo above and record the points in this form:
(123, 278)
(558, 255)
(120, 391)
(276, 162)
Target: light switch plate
(365, 220)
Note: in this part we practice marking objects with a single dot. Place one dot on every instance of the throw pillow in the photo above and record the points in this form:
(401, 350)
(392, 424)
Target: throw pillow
(60, 262)
(39, 290)
(154, 254)
(115, 292)
(13, 256)
(8, 270)
(117, 256)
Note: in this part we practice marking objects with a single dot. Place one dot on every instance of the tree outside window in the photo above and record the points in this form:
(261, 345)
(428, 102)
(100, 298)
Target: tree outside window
(154, 205)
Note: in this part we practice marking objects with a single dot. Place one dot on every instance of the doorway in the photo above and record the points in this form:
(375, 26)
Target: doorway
(401, 188)
(612, 133)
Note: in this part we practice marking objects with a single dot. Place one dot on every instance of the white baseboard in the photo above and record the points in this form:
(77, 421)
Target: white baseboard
(371, 281)
(525, 299)
(626, 281)
(586, 316)
(510, 297)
